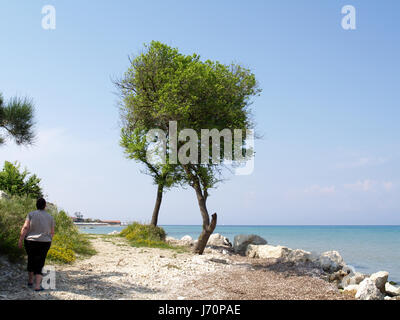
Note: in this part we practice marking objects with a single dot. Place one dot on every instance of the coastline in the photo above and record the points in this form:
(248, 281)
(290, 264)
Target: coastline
(120, 272)
(367, 249)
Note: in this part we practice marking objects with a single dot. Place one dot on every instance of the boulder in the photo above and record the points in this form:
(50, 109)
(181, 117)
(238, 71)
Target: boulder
(3, 195)
(298, 256)
(337, 277)
(380, 278)
(217, 239)
(115, 232)
(367, 290)
(392, 290)
(331, 261)
(267, 251)
(187, 238)
(241, 242)
(351, 289)
(392, 298)
(353, 279)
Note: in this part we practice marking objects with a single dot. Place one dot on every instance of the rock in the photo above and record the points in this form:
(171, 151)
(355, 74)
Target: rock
(367, 290)
(267, 251)
(241, 242)
(187, 239)
(170, 239)
(3, 195)
(331, 261)
(353, 279)
(351, 289)
(217, 239)
(337, 277)
(298, 256)
(380, 278)
(392, 290)
(392, 298)
(114, 232)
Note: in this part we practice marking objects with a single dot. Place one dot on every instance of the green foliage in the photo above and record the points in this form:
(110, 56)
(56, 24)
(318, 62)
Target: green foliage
(19, 183)
(61, 255)
(16, 118)
(142, 235)
(13, 213)
(163, 85)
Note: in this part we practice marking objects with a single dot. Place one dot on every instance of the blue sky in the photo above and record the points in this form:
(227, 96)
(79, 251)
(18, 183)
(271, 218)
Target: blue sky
(329, 112)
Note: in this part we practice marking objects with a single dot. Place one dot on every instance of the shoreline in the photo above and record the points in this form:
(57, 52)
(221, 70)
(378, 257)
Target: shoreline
(121, 272)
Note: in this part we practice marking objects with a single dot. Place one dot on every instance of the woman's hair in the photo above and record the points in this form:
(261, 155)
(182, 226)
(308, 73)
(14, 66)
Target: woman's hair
(41, 204)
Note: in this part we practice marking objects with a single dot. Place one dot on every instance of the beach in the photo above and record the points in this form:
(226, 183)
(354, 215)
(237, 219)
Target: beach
(119, 271)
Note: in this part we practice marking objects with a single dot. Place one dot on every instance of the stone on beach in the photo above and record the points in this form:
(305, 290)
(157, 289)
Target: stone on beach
(351, 289)
(187, 238)
(392, 290)
(331, 261)
(267, 251)
(217, 239)
(115, 232)
(380, 278)
(353, 279)
(367, 290)
(241, 242)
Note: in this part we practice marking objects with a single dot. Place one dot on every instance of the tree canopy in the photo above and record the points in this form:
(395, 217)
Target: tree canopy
(19, 183)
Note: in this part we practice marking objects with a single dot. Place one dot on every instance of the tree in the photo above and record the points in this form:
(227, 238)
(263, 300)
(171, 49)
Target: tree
(19, 183)
(16, 119)
(165, 175)
(163, 85)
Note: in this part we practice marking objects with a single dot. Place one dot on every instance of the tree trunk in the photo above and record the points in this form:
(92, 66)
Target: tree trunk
(208, 227)
(205, 235)
(157, 206)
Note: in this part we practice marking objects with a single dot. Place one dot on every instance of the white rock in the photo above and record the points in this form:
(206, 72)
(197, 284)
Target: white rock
(217, 239)
(351, 289)
(353, 279)
(267, 251)
(367, 290)
(187, 238)
(114, 232)
(331, 261)
(392, 290)
(380, 278)
(3, 195)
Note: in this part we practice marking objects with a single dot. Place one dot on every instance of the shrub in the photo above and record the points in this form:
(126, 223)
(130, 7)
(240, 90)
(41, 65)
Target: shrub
(61, 255)
(143, 235)
(13, 213)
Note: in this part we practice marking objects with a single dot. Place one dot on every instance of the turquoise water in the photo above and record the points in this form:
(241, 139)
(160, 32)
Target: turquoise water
(367, 248)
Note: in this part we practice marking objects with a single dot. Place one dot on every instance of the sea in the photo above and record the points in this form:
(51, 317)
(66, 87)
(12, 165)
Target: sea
(367, 249)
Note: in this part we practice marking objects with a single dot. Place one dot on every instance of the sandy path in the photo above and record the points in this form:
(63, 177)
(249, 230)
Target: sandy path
(119, 271)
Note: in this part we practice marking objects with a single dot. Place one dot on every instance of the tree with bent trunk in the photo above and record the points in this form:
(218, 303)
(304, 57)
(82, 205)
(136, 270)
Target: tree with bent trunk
(163, 86)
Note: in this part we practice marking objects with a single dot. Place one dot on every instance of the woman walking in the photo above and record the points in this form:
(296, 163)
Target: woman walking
(37, 234)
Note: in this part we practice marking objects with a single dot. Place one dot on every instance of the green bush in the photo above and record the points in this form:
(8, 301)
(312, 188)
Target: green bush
(16, 182)
(13, 213)
(61, 255)
(143, 235)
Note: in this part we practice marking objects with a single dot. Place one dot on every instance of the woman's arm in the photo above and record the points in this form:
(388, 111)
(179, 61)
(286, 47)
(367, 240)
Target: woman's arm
(24, 231)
